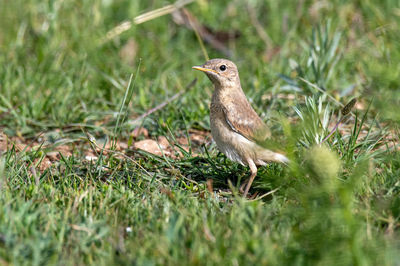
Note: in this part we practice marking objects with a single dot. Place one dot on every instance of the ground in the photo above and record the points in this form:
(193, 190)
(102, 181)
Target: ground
(106, 155)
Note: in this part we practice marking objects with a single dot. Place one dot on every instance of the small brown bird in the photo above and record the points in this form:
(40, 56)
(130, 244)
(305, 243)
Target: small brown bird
(235, 126)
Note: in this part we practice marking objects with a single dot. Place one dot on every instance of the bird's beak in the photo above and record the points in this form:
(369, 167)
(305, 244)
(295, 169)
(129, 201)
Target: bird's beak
(204, 69)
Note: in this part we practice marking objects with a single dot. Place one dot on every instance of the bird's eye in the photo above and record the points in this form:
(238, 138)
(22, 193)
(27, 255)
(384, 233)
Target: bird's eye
(222, 68)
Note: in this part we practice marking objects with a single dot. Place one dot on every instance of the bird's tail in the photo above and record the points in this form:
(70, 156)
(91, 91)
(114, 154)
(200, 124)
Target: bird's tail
(281, 158)
(270, 156)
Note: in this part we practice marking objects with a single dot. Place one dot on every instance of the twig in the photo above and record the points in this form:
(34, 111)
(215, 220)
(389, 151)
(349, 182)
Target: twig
(126, 25)
(184, 17)
(163, 104)
(333, 130)
(161, 11)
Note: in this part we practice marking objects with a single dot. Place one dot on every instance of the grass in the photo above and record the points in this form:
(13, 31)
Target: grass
(60, 84)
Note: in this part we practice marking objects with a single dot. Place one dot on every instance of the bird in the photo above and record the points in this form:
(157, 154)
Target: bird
(235, 127)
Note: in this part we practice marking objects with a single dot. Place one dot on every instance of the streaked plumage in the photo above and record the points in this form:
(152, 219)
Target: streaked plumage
(235, 126)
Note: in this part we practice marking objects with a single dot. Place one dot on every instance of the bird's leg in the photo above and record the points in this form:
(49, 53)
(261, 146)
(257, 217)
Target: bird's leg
(253, 170)
(243, 185)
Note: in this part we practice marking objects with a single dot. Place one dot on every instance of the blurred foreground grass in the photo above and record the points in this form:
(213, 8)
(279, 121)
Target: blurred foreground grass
(337, 205)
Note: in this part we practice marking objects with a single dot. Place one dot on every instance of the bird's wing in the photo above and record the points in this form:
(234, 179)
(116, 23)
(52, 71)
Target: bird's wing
(242, 118)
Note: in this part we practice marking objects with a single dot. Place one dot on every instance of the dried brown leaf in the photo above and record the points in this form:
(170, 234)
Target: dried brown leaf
(151, 146)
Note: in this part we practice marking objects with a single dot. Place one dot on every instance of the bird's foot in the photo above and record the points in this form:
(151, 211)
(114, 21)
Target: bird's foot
(242, 191)
(243, 186)
(254, 196)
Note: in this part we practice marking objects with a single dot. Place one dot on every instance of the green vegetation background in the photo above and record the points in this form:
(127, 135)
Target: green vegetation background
(57, 76)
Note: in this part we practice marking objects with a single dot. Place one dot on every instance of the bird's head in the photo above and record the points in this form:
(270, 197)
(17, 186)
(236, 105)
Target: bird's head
(221, 72)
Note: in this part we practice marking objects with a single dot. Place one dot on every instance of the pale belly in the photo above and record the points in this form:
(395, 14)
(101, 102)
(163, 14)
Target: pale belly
(236, 147)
